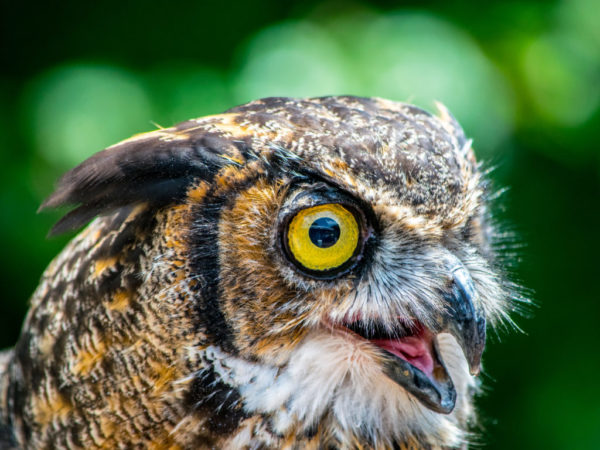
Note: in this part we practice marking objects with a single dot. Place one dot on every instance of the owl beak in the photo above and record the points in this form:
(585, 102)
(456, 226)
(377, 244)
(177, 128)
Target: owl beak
(412, 358)
(415, 362)
(462, 320)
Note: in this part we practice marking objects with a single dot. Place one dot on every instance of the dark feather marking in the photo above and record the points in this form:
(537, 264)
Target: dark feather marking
(147, 170)
(7, 437)
(204, 260)
(219, 403)
(205, 263)
(17, 395)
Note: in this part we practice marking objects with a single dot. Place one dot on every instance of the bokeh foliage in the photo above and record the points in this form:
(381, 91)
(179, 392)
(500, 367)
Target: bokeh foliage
(522, 77)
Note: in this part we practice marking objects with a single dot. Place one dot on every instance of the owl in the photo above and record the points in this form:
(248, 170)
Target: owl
(293, 273)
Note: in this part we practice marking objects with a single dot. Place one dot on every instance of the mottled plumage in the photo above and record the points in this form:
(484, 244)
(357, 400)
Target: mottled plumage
(182, 318)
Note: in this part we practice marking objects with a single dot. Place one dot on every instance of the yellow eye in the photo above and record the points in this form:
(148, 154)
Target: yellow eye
(323, 237)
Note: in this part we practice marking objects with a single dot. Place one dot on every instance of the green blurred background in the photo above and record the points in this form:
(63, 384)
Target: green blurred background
(522, 77)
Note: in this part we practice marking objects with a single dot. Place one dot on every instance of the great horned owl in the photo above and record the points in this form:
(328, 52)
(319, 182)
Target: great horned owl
(313, 273)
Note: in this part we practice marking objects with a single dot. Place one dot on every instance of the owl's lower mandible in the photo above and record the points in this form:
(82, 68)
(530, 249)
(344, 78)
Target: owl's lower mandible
(293, 273)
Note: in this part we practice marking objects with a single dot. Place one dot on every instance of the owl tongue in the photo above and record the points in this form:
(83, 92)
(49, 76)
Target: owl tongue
(412, 342)
(416, 349)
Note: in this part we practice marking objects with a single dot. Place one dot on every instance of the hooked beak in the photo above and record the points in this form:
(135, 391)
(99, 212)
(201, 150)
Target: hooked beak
(461, 319)
(464, 322)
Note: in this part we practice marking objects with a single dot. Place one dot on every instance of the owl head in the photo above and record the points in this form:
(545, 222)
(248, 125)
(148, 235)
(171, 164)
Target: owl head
(335, 266)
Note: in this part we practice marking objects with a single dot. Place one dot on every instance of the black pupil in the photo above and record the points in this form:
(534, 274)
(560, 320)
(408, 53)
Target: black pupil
(324, 232)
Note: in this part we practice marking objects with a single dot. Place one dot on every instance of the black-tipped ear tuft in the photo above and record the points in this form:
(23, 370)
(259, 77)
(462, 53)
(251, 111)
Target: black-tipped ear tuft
(148, 169)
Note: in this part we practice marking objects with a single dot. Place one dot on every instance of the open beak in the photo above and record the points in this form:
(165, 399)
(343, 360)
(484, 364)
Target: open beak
(412, 356)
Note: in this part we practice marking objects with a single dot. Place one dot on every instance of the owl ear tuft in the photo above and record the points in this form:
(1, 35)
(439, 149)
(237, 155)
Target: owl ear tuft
(452, 125)
(148, 168)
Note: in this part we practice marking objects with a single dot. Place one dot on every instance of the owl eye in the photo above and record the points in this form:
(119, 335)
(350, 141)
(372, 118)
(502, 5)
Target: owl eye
(323, 238)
